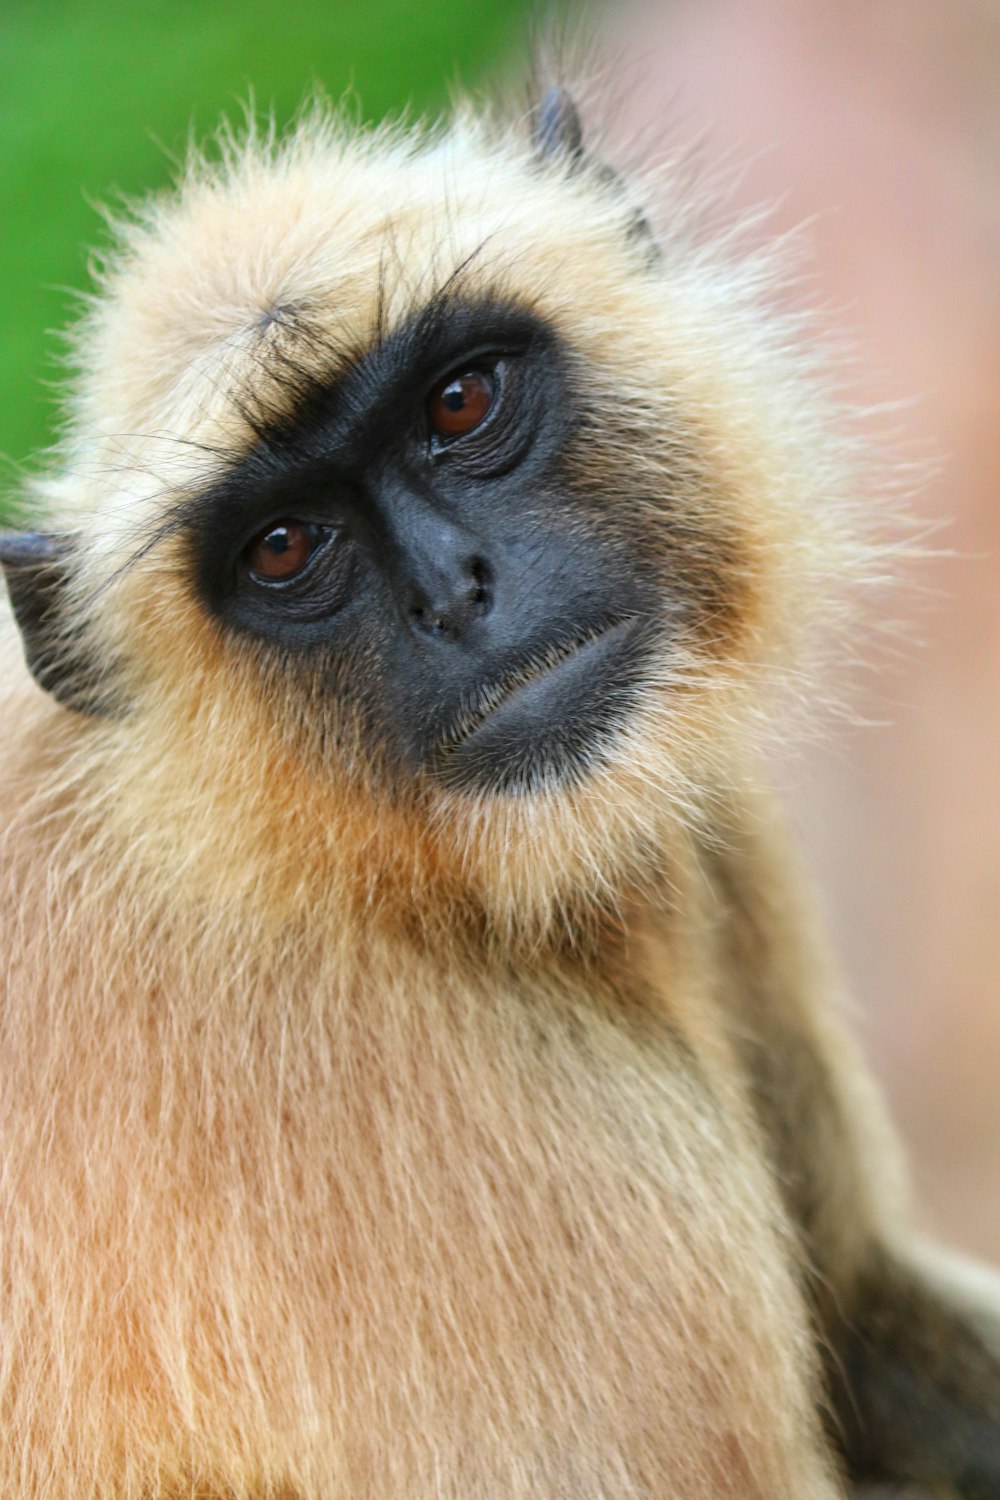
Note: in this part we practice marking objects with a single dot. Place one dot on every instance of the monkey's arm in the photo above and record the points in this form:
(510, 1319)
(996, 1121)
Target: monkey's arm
(918, 1389)
(912, 1345)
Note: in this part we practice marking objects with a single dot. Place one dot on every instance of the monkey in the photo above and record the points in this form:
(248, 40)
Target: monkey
(424, 1073)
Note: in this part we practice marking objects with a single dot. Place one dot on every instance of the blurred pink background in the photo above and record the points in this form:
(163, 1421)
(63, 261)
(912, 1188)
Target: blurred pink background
(879, 122)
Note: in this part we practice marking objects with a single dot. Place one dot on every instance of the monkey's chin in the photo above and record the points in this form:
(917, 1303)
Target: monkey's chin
(553, 727)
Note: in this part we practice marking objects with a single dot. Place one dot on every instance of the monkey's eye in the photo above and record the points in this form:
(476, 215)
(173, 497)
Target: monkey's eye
(283, 549)
(460, 402)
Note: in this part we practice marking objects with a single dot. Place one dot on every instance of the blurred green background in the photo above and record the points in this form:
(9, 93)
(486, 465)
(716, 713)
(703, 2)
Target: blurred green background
(96, 97)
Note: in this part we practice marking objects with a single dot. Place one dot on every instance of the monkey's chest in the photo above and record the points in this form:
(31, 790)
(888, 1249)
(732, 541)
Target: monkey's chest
(463, 1270)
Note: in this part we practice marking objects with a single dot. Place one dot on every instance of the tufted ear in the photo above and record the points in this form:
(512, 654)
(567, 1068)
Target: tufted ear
(555, 126)
(556, 133)
(37, 568)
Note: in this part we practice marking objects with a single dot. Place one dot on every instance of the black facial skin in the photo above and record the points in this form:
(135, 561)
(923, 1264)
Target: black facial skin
(484, 618)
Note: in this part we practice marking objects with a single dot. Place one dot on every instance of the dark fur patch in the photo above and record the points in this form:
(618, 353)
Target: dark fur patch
(916, 1388)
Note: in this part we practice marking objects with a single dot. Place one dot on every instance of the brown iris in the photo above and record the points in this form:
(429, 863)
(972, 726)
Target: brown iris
(283, 550)
(460, 403)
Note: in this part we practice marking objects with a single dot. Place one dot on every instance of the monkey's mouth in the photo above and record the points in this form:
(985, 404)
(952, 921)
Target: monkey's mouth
(550, 716)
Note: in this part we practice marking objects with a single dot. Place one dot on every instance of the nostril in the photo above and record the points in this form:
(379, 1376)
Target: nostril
(446, 612)
(480, 591)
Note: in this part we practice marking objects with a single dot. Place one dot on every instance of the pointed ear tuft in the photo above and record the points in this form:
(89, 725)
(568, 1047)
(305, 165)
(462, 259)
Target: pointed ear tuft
(555, 126)
(556, 132)
(37, 569)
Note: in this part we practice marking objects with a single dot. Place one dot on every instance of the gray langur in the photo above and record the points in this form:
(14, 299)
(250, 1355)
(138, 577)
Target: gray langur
(422, 1075)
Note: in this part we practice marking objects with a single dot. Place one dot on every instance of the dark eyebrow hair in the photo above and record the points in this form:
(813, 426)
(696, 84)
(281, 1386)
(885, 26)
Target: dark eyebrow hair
(359, 404)
(308, 383)
(425, 345)
(346, 415)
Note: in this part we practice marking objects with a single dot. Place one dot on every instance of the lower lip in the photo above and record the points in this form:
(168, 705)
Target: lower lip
(555, 719)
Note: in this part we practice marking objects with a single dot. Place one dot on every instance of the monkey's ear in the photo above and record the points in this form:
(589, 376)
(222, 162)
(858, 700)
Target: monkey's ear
(36, 566)
(555, 126)
(556, 132)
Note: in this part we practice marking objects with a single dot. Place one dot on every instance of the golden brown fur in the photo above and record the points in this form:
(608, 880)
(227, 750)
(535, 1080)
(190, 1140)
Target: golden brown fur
(371, 1141)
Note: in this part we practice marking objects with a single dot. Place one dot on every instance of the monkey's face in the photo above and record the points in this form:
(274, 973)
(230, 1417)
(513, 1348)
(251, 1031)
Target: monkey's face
(419, 544)
(420, 476)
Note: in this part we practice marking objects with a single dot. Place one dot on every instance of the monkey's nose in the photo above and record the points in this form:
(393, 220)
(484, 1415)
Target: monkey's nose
(457, 598)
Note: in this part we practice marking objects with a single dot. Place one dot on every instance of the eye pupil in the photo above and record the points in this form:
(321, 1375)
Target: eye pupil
(283, 550)
(460, 403)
